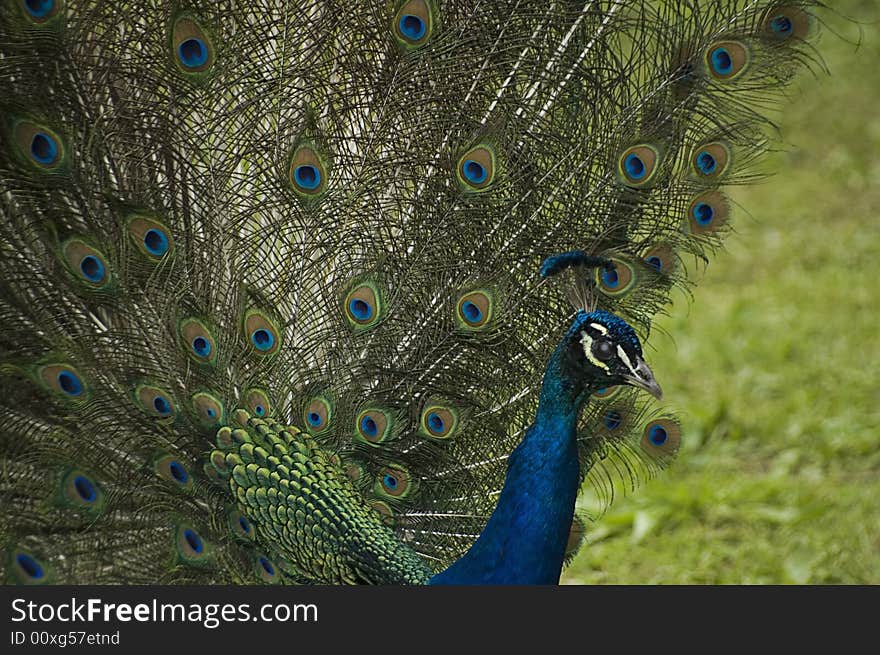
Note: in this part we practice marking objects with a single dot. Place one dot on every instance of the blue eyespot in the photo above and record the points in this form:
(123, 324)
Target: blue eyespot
(722, 62)
(472, 313)
(706, 163)
(244, 524)
(92, 268)
(161, 405)
(315, 419)
(656, 263)
(178, 472)
(30, 566)
(435, 423)
(39, 8)
(70, 383)
(703, 213)
(211, 412)
(781, 25)
(369, 427)
(156, 242)
(259, 410)
(194, 540)
(389, 481)
(85, 488)
(307, 176)
(44, 148)
(474, 172)
(610, 278)
(613, 420)
(658, 435)
(412, 27)
(263, 339)
(360, 309)
(193, 53)
(201, 346)
(267, 566)
(635, 167)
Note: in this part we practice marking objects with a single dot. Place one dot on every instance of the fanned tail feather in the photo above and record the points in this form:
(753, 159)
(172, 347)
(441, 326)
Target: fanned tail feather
(333, 217)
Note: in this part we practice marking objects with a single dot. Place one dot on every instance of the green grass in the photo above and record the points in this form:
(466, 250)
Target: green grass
(775, 367)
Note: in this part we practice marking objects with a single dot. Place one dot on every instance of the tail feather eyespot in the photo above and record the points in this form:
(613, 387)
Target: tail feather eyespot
(727, 60)
(414, 23)
(192, 48)
(638, 165)
(477, 168)
(307, 171)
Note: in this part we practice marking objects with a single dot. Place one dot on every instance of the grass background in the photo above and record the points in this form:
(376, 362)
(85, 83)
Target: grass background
(774, 368)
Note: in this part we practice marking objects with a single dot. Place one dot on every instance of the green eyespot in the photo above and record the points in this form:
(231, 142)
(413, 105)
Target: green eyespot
(727, 60)
(208, 409)
(608, 393)
(63, 381)
(155, 402)
(241, 527)
(192, 49)
(661, 258)
(785, 22)
(266, 569)
(172, 469)
(413, 23)
(190, 547)
(661, 438)
(439, 422)
(708, 213)
(618, 280)
(257, 403)
(262, 332)
(711, 161)
(476, 168)
(198, 341)
(318, 414)
(394, 481)
(354, 471)
(41, 12)
(638, 165)
(78, 490)
(363, 305)
(151, 237)
(307, 171)
(25, 568)
(87, 264)
(39, 145)
(373, 425)
(474, 310)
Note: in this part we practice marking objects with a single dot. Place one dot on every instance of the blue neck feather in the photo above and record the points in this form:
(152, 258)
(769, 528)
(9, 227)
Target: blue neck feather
(524, 540)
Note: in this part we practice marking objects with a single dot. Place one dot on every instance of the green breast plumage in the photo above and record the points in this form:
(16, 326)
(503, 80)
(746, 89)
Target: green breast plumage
(299, 500)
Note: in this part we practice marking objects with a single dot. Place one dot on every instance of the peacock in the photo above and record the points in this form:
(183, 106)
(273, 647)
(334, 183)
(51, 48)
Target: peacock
(344, 292)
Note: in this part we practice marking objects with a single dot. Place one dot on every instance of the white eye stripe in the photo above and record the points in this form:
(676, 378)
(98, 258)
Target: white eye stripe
(625, 358)
(587, 345)
(601, 329)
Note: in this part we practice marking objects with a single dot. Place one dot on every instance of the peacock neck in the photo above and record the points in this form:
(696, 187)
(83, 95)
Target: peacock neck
(525, 538)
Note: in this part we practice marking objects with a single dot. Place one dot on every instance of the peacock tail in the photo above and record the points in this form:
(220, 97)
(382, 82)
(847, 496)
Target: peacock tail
(269, 273)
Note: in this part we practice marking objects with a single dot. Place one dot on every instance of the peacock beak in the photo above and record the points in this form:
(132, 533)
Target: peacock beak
(643, 378)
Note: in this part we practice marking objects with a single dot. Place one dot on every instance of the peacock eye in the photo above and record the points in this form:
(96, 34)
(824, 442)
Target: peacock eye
(603, 350)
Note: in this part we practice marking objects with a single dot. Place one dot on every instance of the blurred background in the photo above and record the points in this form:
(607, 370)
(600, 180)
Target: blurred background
(774, 367)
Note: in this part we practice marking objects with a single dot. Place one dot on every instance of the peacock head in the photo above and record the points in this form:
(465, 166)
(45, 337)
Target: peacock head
(606, 352)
